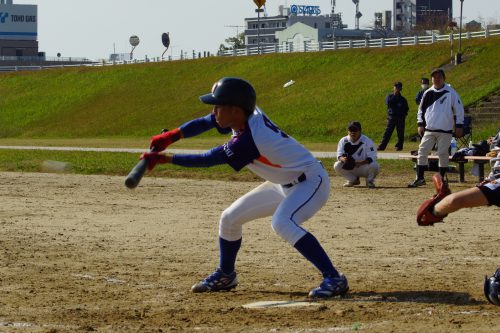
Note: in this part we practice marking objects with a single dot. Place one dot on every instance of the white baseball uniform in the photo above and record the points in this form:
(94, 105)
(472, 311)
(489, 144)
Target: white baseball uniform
(361, 150)
(296, 187)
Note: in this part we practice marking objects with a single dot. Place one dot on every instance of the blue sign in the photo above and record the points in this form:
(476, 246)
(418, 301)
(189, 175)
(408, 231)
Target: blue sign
(3, 17)
(305, 10)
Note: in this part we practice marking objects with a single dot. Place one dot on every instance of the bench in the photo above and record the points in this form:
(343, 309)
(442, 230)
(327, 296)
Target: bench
(479, 160)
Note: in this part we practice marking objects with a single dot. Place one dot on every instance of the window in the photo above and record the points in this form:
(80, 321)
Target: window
(327, 25)
(255, 25)
(283, 24)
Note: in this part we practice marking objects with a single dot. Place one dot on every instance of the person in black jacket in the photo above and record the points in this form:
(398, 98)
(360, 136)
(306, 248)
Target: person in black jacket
(424, 86)
(397, 110)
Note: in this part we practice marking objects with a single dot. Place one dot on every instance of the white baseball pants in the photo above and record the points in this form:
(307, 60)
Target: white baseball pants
(368, 171)
(442, 140)
(289, 207)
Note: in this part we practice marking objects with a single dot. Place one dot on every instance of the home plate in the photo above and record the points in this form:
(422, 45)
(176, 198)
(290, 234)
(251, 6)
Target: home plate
(277, 304)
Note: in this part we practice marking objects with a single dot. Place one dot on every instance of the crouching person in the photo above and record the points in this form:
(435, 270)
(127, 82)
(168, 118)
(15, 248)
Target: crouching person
(357, 157)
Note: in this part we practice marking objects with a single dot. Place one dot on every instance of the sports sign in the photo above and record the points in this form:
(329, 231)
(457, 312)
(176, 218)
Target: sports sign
(259, 3)
(18, 22)
(305, 10)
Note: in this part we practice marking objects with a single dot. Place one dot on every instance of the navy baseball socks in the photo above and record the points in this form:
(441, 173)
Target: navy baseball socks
(224, 277)
(420, 180)
(334, 283)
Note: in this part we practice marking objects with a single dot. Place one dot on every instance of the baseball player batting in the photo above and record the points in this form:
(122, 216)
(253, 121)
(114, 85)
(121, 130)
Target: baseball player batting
(296, 184)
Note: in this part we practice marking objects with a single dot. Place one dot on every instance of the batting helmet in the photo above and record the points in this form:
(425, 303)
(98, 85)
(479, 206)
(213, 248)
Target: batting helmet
(492, 288)
(232, 91)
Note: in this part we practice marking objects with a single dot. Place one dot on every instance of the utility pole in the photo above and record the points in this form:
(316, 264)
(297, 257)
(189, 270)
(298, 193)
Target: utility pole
(458, 59)
(259, 10)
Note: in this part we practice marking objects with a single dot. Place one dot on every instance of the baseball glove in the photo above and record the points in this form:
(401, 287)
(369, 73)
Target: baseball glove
(424, 214)
(349, 164)
(492, 288)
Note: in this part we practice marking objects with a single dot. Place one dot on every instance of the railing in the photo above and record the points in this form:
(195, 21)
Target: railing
(282, 48)
(360, 43)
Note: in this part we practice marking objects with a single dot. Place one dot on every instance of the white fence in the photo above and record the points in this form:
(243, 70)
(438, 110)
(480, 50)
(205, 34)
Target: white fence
(288, 48)
(363, 43)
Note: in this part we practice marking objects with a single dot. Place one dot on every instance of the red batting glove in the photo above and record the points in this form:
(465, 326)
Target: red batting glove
(153, 159)
(160, 142)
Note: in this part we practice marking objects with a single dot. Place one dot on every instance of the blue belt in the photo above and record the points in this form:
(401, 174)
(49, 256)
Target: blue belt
(301, 178)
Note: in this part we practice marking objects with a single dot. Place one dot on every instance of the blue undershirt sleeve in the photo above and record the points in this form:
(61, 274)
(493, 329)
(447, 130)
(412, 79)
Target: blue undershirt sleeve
(200, 125)
(215, 156)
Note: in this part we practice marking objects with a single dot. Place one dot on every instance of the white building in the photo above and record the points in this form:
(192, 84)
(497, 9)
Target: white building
(405, 15)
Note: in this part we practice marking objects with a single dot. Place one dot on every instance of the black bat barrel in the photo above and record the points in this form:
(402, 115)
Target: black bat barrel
(135, 176)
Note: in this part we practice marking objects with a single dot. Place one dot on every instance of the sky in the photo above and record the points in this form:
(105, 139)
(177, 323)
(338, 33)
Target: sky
(96, 28)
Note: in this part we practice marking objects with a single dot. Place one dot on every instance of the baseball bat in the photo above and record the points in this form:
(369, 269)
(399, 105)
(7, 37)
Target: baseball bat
(135, 175)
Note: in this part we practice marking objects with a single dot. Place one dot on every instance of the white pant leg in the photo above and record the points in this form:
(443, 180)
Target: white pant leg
(368, 171)
(425, 147)
(347, 174)
(373, 170)
(262, 201)
(443, 145)
(302, 201)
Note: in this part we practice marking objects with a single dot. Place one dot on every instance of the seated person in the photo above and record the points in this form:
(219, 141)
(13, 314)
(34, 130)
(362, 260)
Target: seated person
(494, 141)
(357, 157)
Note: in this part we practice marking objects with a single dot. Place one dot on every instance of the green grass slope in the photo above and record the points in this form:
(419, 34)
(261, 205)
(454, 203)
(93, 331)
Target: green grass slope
(331, 88)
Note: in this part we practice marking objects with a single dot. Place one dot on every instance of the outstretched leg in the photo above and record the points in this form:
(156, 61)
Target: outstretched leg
(472, 197)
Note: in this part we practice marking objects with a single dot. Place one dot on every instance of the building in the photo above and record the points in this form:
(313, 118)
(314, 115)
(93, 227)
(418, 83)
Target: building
(473, 26)
(493, 26)
(18, 30)
(269, 25)
(405, 15)
(299, 24)
(383, 20)
(434, 14)
(422, 15)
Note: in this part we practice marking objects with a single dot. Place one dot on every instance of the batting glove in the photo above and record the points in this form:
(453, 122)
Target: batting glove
(160, 142)
(153, 159)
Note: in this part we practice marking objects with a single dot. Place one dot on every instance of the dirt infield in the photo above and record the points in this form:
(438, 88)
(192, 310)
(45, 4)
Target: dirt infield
(83, 253)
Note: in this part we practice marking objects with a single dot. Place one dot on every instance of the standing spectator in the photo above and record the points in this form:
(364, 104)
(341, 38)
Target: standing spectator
(357, 157)
(397, 110)
(439, 110)
(424, 85)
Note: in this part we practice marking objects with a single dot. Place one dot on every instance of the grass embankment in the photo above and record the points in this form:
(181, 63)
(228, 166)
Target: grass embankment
(331, 88)
(124, 105)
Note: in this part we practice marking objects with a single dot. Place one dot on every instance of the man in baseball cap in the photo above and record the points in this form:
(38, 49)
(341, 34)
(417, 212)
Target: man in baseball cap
(440, 117)
(357, 157)
(354, 126)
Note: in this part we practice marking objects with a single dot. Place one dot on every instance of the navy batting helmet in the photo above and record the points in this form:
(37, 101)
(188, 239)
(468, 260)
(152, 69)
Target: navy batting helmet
(232, 91)
(492, 288)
